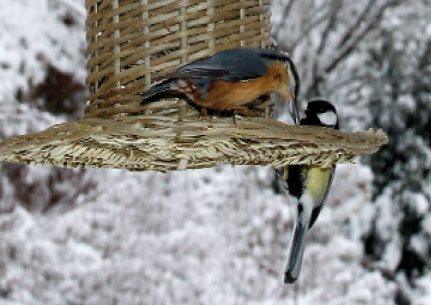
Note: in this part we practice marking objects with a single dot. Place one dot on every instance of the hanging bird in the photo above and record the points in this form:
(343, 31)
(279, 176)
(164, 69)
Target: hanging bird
(230, 79)
(307, 188)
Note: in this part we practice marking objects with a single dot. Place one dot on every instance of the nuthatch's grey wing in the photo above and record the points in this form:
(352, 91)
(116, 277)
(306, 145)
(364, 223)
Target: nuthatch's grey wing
(233, 65)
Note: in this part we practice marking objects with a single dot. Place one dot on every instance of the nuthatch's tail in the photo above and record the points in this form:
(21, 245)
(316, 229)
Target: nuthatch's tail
(164, 87)
(297, 245)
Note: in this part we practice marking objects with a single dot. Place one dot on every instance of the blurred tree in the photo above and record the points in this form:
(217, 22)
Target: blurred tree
(324, 36)
(400, 69)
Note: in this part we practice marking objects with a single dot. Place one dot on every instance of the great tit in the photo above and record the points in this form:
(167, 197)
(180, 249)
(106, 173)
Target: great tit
(307, 186)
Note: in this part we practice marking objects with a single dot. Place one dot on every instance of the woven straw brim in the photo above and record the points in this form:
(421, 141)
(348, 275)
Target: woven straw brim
(162, 143)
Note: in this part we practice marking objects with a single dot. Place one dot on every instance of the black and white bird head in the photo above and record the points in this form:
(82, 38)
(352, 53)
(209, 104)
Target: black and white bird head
(320, 112)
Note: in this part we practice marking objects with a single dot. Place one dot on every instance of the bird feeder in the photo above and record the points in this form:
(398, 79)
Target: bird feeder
(131, 43)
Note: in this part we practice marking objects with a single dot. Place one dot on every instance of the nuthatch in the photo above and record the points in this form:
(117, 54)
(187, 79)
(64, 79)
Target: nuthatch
(307, 188)
(230, 79)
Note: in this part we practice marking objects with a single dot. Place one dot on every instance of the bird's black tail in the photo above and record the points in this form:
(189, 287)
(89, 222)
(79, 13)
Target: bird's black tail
(163, 87)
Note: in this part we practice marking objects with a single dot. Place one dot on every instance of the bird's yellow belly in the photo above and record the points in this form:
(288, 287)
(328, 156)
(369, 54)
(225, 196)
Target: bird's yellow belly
(317, 181)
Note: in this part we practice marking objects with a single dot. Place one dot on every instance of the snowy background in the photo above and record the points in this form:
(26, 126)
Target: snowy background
(220, 235)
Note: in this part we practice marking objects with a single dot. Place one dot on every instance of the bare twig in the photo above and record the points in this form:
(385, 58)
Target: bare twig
(356, 25)
(349, 48)
(285, 16)
(342, 84)
(307, 31)
(334, 10)
(313, 21)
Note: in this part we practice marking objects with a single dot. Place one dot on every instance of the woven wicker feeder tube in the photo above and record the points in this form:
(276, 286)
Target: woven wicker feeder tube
(131, 44)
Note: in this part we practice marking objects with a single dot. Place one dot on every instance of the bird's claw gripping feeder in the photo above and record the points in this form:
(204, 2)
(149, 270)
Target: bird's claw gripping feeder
(133, 43)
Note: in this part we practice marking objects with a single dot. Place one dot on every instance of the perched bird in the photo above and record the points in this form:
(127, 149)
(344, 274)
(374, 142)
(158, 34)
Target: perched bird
(230, 79)
(307, 188)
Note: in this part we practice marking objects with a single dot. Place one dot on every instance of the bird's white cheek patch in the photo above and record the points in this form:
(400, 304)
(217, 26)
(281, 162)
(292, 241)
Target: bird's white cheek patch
(328, 118)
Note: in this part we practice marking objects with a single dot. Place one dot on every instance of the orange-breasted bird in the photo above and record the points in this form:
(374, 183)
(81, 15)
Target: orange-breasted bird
(230, 79)
(307, 187)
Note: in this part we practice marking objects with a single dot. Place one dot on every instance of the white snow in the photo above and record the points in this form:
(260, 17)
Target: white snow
(211, 236)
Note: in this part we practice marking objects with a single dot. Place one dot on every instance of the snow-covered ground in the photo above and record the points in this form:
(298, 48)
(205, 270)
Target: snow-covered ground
(212, 236)
(207, 236)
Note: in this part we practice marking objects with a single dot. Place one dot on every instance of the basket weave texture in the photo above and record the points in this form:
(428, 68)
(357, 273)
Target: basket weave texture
(131, 43)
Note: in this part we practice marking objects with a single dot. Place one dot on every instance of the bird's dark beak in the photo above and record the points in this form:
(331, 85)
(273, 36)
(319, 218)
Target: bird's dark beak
(296, 251)
(289, 97)
(293, 109)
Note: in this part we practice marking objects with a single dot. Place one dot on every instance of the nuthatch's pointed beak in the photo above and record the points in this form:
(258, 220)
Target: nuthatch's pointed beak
(296, 252)
(293, 109)
(289, 97)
